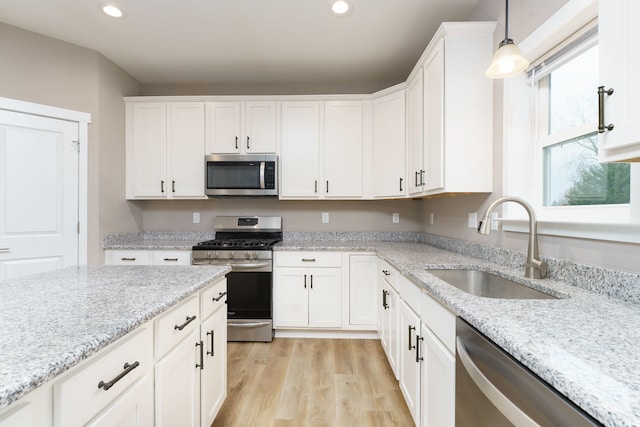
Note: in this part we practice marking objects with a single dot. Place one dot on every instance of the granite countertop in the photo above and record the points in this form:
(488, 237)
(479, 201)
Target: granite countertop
(586, 344)
(54, 320)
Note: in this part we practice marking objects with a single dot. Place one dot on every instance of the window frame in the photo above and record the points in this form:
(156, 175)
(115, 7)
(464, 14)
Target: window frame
(603, 222)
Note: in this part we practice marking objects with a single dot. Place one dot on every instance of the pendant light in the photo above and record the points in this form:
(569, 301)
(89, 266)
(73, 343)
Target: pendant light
(507, 61)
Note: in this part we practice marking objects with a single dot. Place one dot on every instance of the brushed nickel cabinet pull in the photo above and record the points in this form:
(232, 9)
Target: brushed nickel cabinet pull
(212, 352)
(184, 325)
(127, 368)
(128, 259)
(201, 364)
(5, 250)
(601, 93)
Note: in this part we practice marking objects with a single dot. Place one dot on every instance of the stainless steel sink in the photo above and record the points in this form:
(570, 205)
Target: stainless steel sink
(488, 285)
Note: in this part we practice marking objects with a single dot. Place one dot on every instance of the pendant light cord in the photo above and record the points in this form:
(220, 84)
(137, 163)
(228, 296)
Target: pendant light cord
(506, 20)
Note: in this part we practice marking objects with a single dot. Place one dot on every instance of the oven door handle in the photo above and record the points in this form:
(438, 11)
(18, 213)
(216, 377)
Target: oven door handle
(239, 265)
(247, 325)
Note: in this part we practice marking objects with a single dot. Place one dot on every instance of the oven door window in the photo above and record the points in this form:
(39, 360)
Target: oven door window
(233, 175)
(249, 295)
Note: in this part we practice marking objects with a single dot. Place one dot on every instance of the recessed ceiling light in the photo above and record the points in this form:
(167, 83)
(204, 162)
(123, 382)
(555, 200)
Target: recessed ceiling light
(112, 11)
(340, 7)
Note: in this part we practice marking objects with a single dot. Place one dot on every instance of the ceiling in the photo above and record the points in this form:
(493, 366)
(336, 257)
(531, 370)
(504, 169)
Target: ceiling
(162, 42)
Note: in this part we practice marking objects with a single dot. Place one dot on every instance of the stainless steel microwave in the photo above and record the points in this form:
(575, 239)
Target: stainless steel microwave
(241, 175)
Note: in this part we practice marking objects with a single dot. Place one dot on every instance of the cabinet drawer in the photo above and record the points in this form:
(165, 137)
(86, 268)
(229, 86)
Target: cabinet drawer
(173, 326)
(79, 397)
(390, 273)
(128, 257)
(440, 320)
(213, 298)
(171, 257)
(409, 293)
(308, 259)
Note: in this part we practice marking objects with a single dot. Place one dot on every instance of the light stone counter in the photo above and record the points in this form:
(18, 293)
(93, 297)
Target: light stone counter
(52, 321)
(586, 344)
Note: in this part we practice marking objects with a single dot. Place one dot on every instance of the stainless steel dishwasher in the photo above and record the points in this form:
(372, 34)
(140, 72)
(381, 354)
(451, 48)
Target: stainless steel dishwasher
(493, 389)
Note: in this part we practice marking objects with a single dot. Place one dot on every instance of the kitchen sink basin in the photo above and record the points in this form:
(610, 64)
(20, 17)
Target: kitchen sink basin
(488, 285)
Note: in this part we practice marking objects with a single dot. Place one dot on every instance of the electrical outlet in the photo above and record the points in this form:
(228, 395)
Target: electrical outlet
(431, 218)
(196, 217)
(473, 220)
(494, 221)
(325, 217)
(395, 218)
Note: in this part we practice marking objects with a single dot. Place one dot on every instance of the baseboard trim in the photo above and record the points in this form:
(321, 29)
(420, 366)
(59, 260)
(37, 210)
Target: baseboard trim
(337, 334)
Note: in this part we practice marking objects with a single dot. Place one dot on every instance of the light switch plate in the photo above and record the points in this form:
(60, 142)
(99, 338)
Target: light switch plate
(325, 217)
(395, 218)
(196, 217)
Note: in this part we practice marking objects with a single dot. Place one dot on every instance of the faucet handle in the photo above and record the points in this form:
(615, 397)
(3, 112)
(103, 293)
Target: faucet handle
(540, 266)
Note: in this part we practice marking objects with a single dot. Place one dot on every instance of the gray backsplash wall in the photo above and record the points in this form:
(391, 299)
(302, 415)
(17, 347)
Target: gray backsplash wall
(298, 215)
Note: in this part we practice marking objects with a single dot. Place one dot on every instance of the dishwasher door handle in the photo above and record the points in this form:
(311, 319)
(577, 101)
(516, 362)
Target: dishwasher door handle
(509, 409)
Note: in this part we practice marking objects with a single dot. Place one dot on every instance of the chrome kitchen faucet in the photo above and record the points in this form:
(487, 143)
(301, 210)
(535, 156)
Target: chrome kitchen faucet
(534, 267)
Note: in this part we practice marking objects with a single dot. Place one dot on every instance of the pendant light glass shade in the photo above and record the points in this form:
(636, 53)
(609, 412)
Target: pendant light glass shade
(507, 61)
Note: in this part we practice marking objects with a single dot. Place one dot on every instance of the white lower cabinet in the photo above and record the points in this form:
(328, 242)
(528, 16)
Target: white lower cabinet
(418, 335)
(146, 257)
(438, 382)
(363, 296)
(388, 315)
(307, 290)
(190, 375)
(133, 409)
(87, 392)
(410, 361)
(33, 410)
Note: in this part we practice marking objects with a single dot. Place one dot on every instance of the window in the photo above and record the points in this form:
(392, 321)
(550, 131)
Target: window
(550, 142)
(567, 140)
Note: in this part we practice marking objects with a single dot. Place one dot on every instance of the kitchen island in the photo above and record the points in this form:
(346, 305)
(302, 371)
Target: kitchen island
(53, 321)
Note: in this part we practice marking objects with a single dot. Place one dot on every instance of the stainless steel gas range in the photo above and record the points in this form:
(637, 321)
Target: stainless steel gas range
(245, 244)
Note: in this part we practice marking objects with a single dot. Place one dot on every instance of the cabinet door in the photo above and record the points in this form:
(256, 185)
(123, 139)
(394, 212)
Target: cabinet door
(223, 128)
(186, 149)
(363, 295)
(133, 409)
(146, 150)
(300, 149)
(259, 127)
(213, 388)
(434, 119)
(619, 69)
(438, 382)
(325, 297)
(177, 385)
(343, 149)
(392, 330)
(414, 133)
(409, 365)
(291, 297)
(389, 145)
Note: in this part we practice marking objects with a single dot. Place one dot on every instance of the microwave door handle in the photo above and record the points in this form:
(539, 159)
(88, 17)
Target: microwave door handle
(262, 168)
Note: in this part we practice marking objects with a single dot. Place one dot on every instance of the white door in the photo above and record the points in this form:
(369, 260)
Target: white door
(38, 194)
(325, 298)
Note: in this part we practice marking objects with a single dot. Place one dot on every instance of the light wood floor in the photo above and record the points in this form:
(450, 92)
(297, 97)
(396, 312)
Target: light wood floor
(311, 382)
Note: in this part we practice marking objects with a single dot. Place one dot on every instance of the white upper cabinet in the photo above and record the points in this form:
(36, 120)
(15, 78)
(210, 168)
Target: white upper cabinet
(450, 109)
(389, 145)
(619, 70)
(343, 149)
(321, 153)
(241, 127)
(414, 132)
(165, 150)
(300, 148)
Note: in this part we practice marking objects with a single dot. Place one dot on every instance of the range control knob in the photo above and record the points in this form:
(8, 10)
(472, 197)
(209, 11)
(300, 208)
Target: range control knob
(232, 255)
(254, 255)
(247, 255)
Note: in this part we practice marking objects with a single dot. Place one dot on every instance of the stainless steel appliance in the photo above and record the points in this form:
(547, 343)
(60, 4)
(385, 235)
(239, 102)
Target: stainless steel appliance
(245, 244)
(493, 389)
(241, 175)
